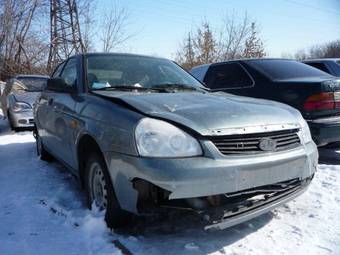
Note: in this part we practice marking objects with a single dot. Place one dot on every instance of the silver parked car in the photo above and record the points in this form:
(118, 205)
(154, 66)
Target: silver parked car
(20, 102)
(141, 134)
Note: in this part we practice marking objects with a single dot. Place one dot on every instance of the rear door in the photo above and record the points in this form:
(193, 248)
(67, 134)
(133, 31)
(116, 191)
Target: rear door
(230, 77)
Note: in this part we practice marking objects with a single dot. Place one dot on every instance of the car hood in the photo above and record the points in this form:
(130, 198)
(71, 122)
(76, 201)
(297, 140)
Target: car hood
(212, 113)
(27, 97)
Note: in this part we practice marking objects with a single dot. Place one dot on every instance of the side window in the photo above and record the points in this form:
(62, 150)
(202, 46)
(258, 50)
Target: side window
(199, 72)
(57, 71)
(320, 66)
(70, 72)
(228, 76)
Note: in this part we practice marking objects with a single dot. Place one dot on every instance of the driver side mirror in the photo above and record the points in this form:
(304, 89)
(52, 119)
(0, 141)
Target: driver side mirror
(58, 84)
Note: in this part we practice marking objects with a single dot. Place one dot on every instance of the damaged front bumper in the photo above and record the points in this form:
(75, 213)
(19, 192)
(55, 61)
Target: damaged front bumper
(244, 210)
(208, 176)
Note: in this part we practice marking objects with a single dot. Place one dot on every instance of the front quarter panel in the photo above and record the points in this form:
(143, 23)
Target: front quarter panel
(110, 124)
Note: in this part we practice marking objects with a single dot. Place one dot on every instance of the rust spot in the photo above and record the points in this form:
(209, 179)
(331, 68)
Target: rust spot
(73, 123)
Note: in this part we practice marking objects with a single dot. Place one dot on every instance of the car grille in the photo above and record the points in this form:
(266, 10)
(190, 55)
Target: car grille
(248, 144)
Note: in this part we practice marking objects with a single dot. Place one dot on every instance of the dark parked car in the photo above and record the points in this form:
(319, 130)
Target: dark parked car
(314, 93)
(328, 65)
(143, 134)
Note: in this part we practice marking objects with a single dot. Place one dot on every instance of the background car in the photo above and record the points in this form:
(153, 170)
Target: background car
(316, 94)
(20, 102)
(143, 135)
(328, 65)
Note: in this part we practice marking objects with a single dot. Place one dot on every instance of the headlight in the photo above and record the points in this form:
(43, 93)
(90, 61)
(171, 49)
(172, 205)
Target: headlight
(305, 135)
(21, 106)
(157, 138)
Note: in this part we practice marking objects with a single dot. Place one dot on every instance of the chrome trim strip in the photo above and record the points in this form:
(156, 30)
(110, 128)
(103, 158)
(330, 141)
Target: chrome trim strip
(253, 129)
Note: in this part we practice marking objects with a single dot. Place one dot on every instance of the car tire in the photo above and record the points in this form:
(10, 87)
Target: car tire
(100, 192)
(41, 152)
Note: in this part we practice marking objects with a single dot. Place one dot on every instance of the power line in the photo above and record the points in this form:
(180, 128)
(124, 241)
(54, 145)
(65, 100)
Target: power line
(182, 7)
(313, 7)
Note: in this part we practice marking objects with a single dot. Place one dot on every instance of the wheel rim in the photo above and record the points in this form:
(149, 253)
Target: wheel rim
(98, 186)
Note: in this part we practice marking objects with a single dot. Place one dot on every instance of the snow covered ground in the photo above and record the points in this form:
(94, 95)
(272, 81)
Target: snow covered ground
(42, 211)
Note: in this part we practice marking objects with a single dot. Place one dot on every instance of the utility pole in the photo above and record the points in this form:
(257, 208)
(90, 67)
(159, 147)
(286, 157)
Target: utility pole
(65, 36)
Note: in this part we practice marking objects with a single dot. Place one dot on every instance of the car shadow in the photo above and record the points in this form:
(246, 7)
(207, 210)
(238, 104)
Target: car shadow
(330, 155)
(187, 234)
(4, 127)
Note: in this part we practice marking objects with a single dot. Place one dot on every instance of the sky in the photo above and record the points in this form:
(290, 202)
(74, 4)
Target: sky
(159, 26)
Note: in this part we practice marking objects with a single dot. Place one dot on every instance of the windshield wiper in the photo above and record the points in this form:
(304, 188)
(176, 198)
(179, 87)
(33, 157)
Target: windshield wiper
(122, 87)
(174, 86)
(33, 90)
(166, 88)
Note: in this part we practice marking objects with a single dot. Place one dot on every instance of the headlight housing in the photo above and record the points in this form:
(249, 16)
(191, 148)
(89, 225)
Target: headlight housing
(21, 106)
(157, 138)
(304, 133)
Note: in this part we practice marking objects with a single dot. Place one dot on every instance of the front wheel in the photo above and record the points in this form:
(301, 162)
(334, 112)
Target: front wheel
(100, 192)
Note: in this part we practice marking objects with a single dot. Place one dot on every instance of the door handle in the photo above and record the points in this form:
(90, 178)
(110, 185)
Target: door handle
(50, 101)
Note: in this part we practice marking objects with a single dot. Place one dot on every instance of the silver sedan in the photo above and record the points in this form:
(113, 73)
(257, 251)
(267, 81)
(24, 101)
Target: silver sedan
(20, 102)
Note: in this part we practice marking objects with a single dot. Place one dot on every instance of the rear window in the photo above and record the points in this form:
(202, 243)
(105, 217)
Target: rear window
(320, 66)
(199, 72)
(227, 76)
(285, 69)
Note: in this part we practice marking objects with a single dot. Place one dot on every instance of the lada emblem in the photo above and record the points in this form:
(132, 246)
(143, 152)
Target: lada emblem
(267, 144)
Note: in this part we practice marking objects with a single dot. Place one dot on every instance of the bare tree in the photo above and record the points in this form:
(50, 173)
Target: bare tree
(186, 54)
(253, 45)
(24, 27)
(205, 44)
(199, 47)
(236, 39)
(114, 27)
(327, 50)
(233, 35)
(16, 17)
(87, 21)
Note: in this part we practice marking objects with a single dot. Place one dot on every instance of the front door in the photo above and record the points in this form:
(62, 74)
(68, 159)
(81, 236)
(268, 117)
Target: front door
(64, 119)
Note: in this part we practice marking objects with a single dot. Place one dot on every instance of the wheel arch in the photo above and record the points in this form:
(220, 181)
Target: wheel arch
(86, 145)
(123, 188)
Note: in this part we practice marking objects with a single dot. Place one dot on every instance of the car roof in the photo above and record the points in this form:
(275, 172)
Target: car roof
(321, 60)
(243, 60)
(31, 76)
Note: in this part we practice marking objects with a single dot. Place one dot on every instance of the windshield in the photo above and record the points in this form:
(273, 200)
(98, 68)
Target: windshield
(136, 71)
(278, 69)
(33, 83)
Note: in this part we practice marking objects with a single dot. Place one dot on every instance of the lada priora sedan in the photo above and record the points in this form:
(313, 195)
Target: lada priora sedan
(141, 134)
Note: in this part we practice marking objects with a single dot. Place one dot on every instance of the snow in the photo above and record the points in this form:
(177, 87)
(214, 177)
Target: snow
(42, 211)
